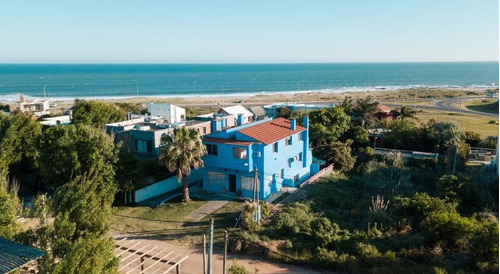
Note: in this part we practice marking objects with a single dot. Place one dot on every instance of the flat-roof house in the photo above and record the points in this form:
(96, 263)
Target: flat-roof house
(236, 111)
(259, 113)
(37, 107)
(275, 151)
(171, 113)
(142, 134)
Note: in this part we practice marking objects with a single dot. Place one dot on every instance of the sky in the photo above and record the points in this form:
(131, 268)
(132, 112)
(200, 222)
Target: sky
(256, 31)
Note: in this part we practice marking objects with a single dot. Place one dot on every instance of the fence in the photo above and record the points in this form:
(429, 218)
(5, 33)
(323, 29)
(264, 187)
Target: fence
(165, 186)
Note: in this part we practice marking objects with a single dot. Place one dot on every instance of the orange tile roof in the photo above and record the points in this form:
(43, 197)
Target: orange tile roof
(384, 108)
(227, 141)
(272, 131)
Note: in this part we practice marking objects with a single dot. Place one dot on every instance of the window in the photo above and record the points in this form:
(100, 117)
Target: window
(212, 149)
(204, 130)
(296, 179)
(288, 141)
(246, 183)
(282, 173)
(275, 147)
(143, 146)
(215, 178)
(300, 136)
(290, 161)
(240, 153)
(300, 156)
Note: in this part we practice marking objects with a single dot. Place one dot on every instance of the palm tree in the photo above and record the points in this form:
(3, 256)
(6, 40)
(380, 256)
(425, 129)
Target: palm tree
(404, 112)
(182, 153)
(347, 105)
(408, 112)
(364, 110)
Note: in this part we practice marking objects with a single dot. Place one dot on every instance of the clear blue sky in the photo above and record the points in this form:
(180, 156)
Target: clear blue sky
(214, 31)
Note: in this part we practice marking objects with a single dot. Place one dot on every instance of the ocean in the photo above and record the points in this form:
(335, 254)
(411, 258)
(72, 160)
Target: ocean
(92, 81)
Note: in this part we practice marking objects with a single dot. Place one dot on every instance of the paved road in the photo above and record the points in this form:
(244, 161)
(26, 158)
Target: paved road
(447, 105)
(442, 104)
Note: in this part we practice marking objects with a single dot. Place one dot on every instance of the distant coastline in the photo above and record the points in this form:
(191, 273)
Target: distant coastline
(118, 81)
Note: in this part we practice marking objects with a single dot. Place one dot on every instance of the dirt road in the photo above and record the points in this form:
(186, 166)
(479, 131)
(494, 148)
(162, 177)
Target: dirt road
(194, 263)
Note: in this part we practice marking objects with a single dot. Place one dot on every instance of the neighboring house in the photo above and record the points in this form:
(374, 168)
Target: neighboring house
(276, 152)
(273, 110)
(37, 107)
(259, 113)
(236, 111)
(142, 134)
(383, 113)
(55, 121)
(171, 113)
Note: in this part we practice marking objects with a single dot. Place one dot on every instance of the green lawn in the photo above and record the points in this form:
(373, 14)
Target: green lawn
(489, 105)
(485, 126)
(171, 220)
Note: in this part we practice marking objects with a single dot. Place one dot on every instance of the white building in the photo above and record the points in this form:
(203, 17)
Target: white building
(171, 113)
(37, 107)
(238, 110)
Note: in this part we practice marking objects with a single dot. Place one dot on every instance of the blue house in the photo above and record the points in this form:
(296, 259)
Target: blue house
(275, 152)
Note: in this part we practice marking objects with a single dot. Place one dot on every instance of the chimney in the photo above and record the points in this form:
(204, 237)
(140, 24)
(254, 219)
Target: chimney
(305, 121)
(293, 124)
(240, 119)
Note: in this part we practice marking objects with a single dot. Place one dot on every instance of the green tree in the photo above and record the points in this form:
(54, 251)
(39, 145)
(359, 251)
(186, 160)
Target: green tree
(364, 111)
(96, 113)
(8, 210)
(19, 135)
(180, 154)
(420, 206)
(69, 151)
(446, 134)
(404, 113)
(472, 138)
(484, 247)
(81, 243)
(328, 124)
(337, 153)
(403, 134)
(347, 105)
(284, 112)
(358, 134)
(448, 230)
(127, 173)
(490, 142)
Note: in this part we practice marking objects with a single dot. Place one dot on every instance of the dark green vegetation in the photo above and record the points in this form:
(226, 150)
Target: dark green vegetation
(77, 164)
(390, 216)
(387, 213)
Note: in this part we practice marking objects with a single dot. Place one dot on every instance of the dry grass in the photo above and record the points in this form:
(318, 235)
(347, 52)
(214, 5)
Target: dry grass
(170, 221)
(468, 122)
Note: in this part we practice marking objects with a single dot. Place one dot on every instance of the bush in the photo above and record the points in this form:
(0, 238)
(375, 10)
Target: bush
(484, 247)
(448, 230)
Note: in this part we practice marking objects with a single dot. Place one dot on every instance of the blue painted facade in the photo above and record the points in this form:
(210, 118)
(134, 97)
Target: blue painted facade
(233, 157)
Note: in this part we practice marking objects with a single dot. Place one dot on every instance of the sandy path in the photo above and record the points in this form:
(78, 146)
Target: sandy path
(194, 263)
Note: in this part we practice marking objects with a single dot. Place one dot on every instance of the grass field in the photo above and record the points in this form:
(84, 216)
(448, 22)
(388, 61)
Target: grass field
(488, 105)
(170, 221)
(485, 126)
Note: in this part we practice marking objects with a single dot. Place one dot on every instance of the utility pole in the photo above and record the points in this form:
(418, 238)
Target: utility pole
(210, 245)
(204, 254)
(460, 108)
(226, 239)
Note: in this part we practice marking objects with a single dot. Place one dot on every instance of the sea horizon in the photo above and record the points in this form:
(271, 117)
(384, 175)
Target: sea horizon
(67, 81)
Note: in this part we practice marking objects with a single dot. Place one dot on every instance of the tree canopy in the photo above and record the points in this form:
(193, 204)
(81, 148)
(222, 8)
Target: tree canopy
(96, 113)
(69, 151)
(328, 124)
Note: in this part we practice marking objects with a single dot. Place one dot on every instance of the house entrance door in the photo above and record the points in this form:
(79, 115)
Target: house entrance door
(232, 183)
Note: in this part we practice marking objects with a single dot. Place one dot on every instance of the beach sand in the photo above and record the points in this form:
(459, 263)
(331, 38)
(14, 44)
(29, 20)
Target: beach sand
(301, 97)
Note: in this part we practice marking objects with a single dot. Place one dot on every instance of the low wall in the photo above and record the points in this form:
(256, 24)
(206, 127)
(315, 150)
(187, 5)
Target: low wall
(167, 185)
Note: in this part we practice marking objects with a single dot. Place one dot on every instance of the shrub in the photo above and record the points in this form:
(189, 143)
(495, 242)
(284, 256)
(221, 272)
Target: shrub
(448, 230)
